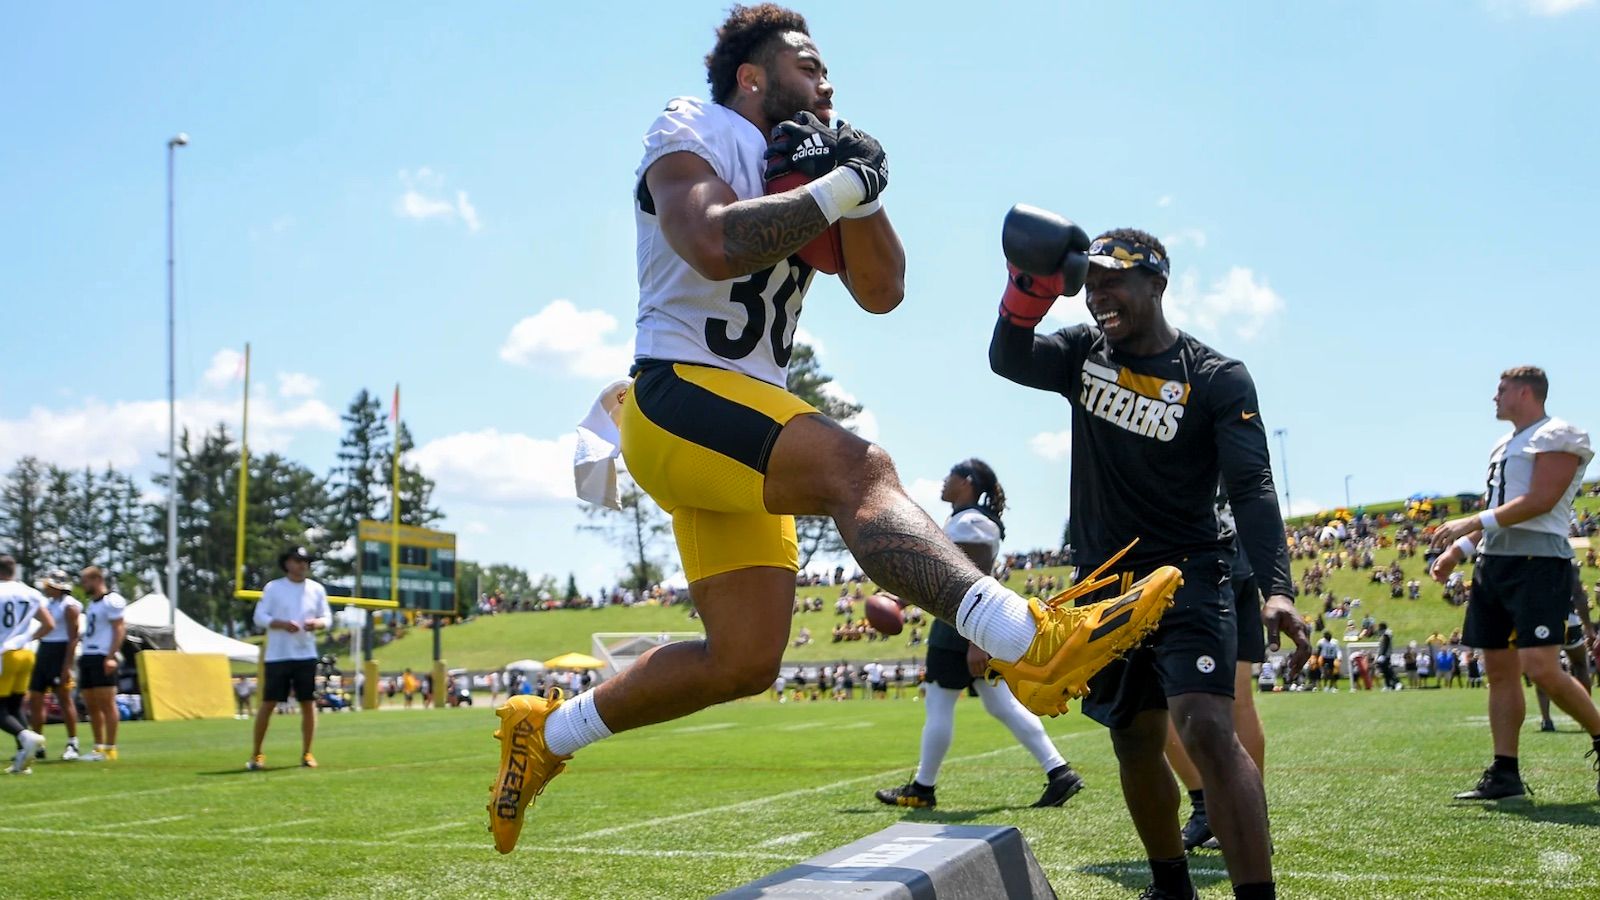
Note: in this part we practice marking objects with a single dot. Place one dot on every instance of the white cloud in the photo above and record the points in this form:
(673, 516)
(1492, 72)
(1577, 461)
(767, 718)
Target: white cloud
(296, 384)
(864, 422)
(1193, 237)
(129, 434)
(571, 340)
(802, 336)
(1308, 507)
(1165, 201)
(1052, 445)
(926, 491)
(475, 528)
(1238, 302)
(1067, 311)
(1548, 8)
(227, 366)
(495, 468)
(424, 198)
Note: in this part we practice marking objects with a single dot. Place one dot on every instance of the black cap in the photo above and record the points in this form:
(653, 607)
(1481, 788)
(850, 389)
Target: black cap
(293, 553)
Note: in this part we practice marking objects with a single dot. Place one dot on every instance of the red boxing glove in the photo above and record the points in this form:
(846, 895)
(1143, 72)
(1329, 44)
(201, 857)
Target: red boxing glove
(1029, 297)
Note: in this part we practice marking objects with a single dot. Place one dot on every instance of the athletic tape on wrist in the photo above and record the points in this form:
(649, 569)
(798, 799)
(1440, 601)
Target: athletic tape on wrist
(837, 193)
(1487, 520)
(1466, 546)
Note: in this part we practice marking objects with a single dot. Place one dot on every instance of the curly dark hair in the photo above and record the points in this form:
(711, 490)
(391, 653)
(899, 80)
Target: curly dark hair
(1139, 238)
(987, 485)
(747, 37)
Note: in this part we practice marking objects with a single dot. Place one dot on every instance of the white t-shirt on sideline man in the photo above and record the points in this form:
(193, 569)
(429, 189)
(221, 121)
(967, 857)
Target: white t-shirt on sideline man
(286, 600)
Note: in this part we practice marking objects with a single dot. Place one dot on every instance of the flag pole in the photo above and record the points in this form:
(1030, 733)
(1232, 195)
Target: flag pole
(394, 504)
(244, 479)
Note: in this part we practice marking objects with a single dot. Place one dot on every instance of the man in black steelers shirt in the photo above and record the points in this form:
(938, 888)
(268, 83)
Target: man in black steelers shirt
(1157, 418)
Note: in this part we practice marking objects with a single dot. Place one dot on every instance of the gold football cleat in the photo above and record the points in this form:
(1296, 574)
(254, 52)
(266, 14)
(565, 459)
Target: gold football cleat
(526, 764)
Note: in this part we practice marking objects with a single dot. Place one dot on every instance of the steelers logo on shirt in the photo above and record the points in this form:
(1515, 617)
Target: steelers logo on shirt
(1542, 632)
(1206, 665)
(1172, 392)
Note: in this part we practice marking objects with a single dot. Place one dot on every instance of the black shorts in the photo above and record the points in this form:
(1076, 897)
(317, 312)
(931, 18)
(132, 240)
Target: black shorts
(1330, 669)
(1521, 600)
(1193, 650)
(92, 672)
(47, 666)
(948, 668)
(1247, 613)
(299, 674)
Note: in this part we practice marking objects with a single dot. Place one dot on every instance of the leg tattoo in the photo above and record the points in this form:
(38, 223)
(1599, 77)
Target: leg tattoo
(906, 554)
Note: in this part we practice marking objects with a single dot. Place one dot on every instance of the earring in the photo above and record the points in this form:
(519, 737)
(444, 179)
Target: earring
(754, 89)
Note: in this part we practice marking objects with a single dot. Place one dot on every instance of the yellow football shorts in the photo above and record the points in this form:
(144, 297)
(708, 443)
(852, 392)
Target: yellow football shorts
(16, 668)
(698, 439)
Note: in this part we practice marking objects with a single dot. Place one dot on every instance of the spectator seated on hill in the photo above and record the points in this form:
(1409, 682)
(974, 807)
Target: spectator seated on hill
(1414, 589)
(913, 615)
(915, 639)
(803, 637)
(838, 633)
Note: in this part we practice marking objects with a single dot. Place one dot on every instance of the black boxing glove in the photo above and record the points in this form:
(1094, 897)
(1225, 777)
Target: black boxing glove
(1041, 244)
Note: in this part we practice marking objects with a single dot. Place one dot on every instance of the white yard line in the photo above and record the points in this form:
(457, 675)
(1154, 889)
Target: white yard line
(782, 839)
(111, 826)
(247, 829)
(691, 729)
(802, 726)
(441, 826)
(708, 854)
(1557, 879)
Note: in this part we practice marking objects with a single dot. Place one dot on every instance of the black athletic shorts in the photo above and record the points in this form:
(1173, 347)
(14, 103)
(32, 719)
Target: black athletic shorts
(299, 674)
(47, 666)
(1521, 600)
(1193, 650)
(948, 668)
(1247, 614)
(92, 672)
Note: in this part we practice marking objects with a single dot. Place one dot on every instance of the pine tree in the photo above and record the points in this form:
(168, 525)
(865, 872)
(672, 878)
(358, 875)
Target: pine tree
(806, 380)
(22, 523)
(125, 519)
(359, 478)
(56, 549)
(637, 529)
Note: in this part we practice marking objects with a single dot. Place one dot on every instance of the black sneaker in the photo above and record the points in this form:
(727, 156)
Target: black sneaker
(1595, 753)
(1060, 789)
(1496, 785)
(909, 794)
(1196, 831)
(1154, 893)
(1547, 725)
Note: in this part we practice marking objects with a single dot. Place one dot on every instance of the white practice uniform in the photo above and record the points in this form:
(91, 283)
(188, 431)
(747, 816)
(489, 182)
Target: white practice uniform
(1511, 476)
(98, 616)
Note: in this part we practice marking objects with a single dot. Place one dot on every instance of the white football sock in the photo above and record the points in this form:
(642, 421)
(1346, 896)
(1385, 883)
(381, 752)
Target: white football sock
(1025, 726)
(997, 619)
(937, 732)
(574, 725)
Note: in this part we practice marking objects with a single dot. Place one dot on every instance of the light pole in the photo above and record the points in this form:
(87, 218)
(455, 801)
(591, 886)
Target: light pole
(1282, 434)
(1347, 491)
(173, 143)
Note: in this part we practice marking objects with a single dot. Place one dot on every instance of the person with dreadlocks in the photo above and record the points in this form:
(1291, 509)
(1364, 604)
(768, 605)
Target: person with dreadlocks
(954, 664)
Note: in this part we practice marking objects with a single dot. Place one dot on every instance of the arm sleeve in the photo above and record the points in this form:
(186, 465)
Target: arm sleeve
(263, 612)
(114, 609)
(1560, 437)
(1247, 474)
(1030, 359)
(683, 127)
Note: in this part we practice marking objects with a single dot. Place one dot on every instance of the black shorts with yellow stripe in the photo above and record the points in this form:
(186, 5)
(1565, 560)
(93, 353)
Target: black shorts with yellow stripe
(698, 440)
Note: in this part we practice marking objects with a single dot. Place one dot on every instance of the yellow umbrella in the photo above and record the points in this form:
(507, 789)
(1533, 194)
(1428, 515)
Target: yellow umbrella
(574, 661)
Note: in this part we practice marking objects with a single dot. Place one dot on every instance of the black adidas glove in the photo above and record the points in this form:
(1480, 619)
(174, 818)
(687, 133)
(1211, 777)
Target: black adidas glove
(802, 144)
(862, 154)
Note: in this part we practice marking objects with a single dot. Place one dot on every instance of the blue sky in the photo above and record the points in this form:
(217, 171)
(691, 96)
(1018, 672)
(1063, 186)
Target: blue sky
(1377, 206)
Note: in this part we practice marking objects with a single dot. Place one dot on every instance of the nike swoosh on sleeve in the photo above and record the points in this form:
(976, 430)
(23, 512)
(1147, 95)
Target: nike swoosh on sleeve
(1249, 416)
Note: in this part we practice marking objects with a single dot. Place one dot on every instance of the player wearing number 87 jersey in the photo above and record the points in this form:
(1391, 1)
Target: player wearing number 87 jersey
(709, 431)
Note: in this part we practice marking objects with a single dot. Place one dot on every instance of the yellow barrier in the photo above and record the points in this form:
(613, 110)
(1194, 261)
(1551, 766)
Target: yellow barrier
(185, 685)
(363, 602)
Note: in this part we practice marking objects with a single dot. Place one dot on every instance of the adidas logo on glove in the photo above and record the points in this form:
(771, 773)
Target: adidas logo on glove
(811, 146)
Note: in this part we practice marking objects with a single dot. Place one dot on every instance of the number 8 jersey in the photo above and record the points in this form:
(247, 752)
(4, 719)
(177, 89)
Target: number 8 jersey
(746, 324)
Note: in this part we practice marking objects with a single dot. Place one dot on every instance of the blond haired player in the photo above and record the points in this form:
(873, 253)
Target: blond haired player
(20, 607)
(708, 430)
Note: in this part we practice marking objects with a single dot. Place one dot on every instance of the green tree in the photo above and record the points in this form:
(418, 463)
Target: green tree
(358, 479)
(56, 541)
(207, 504)
(416, 489)
(125, 520)
(572, 593)
(638, 529)
(818, 534)
(22, 525)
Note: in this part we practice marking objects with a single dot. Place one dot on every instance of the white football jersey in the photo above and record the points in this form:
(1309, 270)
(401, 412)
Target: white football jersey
(970, 526)
(1511, 476)
(58, 610)
(18, 604)
(97, 629)
(747, 324)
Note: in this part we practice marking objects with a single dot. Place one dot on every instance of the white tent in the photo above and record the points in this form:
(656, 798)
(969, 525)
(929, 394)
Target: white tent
(152, 610)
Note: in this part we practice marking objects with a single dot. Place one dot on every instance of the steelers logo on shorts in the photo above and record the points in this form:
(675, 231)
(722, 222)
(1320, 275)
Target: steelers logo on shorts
(1206, 665)
(1172, 392)
(1542, 632)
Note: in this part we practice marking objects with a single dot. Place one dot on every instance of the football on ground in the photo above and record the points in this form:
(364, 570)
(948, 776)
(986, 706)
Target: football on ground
(825, 253)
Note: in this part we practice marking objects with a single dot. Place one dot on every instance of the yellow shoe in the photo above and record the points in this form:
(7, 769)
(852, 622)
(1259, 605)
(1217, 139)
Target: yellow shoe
(256, 763)
(111, 754)
(526, 764)
(308, 761)
(1075, 642)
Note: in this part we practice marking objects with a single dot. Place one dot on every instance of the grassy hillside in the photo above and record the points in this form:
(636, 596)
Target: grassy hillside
(494, 641)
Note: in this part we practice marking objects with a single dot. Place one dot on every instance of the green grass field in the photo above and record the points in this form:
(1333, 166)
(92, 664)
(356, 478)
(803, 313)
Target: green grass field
(1359, 786)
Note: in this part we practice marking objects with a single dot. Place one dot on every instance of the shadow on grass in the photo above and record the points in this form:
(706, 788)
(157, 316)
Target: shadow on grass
(1556, 813)
(931, 816)
(1134, 874)
(244, 771)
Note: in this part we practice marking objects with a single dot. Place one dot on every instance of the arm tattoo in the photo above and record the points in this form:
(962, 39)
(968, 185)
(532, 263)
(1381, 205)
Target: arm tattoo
(757, 233)
(904, 553)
